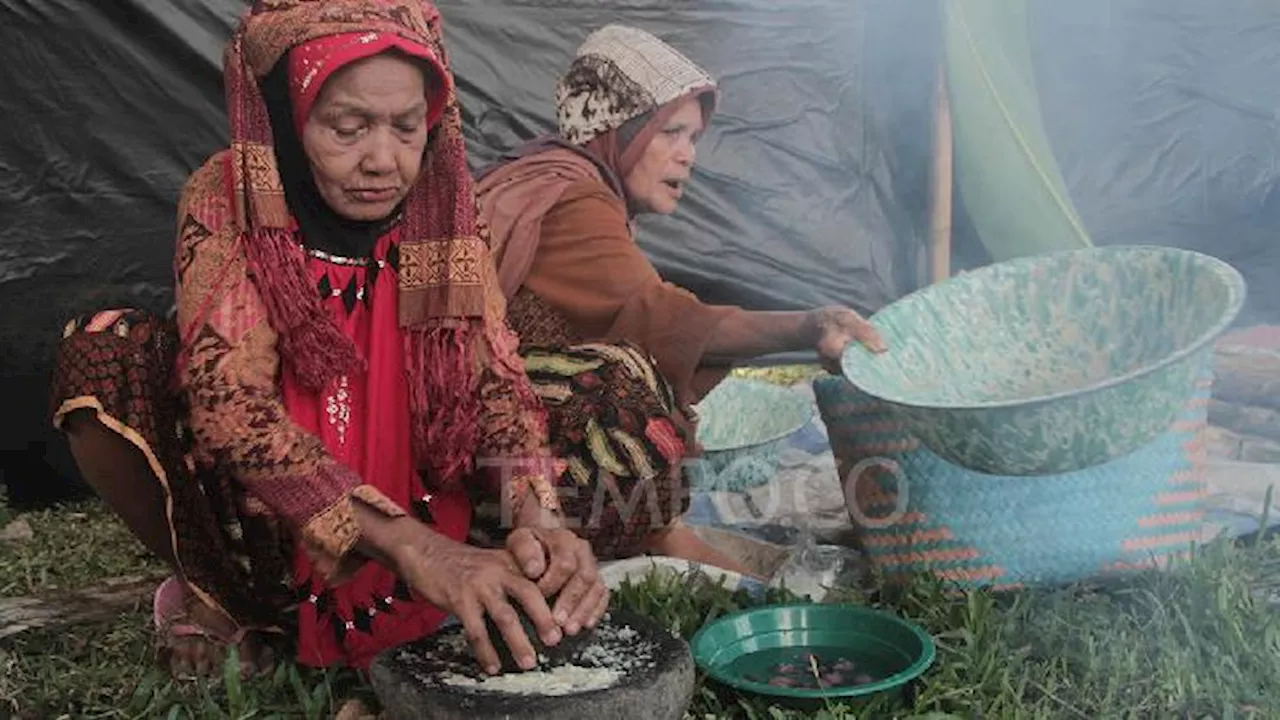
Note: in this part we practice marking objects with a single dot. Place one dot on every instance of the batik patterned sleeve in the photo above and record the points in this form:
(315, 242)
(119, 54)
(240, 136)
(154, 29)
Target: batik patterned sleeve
(513, 433)
(229, 371)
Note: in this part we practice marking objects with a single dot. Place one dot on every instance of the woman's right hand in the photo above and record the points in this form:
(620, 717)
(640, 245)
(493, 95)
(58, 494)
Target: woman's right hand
(466, 581)
(472, 582)
(833, 328)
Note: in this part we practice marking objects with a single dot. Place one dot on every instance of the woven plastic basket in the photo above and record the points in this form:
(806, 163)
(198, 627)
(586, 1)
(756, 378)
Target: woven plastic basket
(919, 513)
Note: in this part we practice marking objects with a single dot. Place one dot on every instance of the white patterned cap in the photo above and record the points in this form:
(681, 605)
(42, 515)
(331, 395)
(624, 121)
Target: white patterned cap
(620, 73)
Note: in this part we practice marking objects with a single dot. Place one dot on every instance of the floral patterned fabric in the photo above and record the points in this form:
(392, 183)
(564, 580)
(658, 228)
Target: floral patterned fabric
(118, 364)
(621, 438)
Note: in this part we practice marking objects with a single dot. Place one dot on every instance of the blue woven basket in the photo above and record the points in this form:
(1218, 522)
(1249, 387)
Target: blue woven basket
(974, 529)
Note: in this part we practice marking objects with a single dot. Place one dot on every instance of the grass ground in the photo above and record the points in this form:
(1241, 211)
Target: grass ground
(1198, 641)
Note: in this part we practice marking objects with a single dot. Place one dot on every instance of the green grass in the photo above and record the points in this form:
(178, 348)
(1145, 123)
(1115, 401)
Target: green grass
(107, 669)
(68, 550)
(1194, 642)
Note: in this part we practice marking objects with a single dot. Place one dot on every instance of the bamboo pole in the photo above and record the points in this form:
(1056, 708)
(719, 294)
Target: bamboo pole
(942, 186)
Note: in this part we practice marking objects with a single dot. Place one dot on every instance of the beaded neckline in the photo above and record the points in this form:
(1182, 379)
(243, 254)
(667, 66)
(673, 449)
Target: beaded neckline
(353, 291)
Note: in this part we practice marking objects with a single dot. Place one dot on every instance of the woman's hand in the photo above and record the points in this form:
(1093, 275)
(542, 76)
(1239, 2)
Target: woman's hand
(472, 582)
(463, 580)
(834, 327)
(561, 562)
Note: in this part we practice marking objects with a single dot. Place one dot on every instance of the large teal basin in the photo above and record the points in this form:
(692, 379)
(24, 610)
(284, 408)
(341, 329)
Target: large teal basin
(1052, 363)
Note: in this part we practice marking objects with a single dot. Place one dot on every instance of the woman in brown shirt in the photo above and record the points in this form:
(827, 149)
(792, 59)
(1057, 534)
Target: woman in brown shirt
(617, 353)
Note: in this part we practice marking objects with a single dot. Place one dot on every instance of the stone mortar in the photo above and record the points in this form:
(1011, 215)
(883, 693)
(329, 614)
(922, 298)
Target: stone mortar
(438, 678)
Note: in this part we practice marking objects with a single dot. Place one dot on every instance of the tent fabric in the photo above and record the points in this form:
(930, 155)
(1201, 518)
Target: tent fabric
(107, 107)
(1014, 193)
(1145, 121)
(811, 182)
(1164, 116)
(810, 187)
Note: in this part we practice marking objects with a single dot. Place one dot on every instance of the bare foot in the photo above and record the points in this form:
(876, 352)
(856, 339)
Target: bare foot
(680, 541)
(196, 643)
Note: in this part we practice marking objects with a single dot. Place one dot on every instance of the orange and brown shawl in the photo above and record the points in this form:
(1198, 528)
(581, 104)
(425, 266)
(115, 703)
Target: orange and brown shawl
(561, 219)
(247, 310)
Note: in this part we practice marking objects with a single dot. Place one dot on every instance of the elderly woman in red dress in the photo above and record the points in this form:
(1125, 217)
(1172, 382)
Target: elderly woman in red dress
(304, 443)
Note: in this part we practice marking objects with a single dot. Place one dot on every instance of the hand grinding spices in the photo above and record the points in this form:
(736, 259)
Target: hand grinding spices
(615, 651)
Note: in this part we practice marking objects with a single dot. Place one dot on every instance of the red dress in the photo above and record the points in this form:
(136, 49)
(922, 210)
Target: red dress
(364, 423)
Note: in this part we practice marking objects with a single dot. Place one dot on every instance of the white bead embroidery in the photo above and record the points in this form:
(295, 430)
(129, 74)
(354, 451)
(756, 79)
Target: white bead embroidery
(338, 407)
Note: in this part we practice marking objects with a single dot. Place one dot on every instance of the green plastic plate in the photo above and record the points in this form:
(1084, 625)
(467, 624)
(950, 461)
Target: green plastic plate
(742, 650)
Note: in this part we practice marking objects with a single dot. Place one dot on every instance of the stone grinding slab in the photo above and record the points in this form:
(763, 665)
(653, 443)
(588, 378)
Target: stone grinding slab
(633, 668)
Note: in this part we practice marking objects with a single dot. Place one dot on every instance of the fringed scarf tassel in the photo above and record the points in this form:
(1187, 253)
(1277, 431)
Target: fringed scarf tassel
(312, 345)
(444, 399)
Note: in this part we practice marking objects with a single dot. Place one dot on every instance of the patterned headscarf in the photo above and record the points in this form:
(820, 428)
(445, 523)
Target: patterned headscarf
(622, 86)
(452, 328)
(313, 62)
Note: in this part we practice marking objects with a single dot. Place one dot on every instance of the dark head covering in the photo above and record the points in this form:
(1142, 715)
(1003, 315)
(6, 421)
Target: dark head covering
(454, 332)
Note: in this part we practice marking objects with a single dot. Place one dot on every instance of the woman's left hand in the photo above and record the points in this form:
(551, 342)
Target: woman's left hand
(561, 562)
(835, 328)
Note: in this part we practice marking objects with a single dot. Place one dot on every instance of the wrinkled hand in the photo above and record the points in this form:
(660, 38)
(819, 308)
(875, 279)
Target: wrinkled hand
(561, 562)
(835, 328)
(470, 582)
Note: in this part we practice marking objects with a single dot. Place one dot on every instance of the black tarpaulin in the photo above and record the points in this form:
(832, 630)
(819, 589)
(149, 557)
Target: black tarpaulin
(809, 190)
(107, 106)
(812, 184)
(1164, 117)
